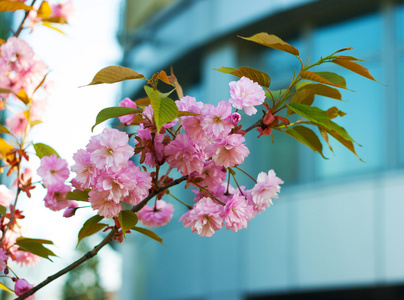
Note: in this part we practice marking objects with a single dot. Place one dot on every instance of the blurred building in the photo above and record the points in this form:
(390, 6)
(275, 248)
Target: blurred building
(336, 232)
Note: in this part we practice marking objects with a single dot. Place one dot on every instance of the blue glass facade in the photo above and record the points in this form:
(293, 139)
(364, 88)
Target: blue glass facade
(337, 223)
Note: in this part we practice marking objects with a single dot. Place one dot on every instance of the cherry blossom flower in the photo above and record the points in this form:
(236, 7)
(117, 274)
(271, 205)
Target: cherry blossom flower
(266, 188)
(183, 154)
(53, 170)
(142, 182)
(86, 173)
(24, 257)
(107, 209)
(204, 218)
(3, 260)
(17, 124)
(212, 176)
(55, 194)
(217, 120)
(237, 212)
(6, 195)
(156, 216)
(246, 94)
(128, 119)
(21, 287)
(110, 149)
(63, 10)
(231, 151)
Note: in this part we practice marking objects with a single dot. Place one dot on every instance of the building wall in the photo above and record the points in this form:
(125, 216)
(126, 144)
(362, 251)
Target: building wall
(337, 223)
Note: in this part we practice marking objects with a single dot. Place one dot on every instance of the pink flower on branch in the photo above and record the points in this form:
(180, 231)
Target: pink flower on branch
(17, 124)
(237, 212)
(156, 216)
(107, 209)
(128, 119)
(53, 170)
(21, 287)
(231, 151)
(246, 94)
(266, 188)
(204, 218)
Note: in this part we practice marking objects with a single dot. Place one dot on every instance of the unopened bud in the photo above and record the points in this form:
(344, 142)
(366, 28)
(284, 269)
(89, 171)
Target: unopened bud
(69, 212)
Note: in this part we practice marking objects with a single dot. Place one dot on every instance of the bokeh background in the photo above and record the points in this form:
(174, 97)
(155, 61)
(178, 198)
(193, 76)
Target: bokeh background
(336, 230)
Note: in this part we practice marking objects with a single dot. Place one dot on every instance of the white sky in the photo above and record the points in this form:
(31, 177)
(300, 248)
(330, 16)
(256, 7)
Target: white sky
(89, 45)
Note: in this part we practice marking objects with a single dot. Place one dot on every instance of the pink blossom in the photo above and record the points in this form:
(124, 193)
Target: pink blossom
(71, 210)
(128, 119)
(246, 94)
(24, 257)
(107, 209)
(53, 170)
(86, 173)
(63, 10)
(212, 175)
(17, 53)
(217, 120)
(237, 212)
(38, 107)
(156, 216)
(6, 195)
(55, 194)
(204, 218)
(118, 184)
(110, 149)
(142, 183)
(21, 287)
(183, 154)
(231, 151)
(151, 153)
(266, 188)
(17, 124)
(3, 260)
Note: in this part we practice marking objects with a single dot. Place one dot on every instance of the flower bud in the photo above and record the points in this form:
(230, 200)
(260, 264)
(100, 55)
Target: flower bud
(69, 212)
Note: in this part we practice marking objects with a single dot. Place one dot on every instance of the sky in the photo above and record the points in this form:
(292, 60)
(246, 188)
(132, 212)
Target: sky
(89, 45)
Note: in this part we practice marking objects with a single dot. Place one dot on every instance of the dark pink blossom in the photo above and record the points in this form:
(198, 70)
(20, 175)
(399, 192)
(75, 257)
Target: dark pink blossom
(127, 119)
(237, 212)
(158, 215)
(21, 287)
(55, 194)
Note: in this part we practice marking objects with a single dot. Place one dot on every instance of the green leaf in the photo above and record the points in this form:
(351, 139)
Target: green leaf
(5, 91)
(4, 129)
(5, 288)
(44, 150)
(272, 41)
(149, 233)
(90, 227)
(114, 112)
(77, 195)
(114, 74)
(328, 78)
(304, 96)
(13, 6)
(35, 246)
(307, 137)
(311, 113)
(128, 219)
(3, 210)
(255, 75)
(165, 109)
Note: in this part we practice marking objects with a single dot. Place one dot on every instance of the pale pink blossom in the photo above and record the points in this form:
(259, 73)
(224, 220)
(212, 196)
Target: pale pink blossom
(21, 287)
(217, 122)
(266, 188)
(6, 195)
(17, 124)
(237, 212)
(107, 209)
(142, 183)
(38, 108)
(63, 10)
(183, 154)
(212, 176)
(3, 260)
(231, 151)
(118, 184)
(110, 149)
(86, 173)
(55, 194)
(24, 257)
(127, 119)
(158, 215)
(17, 53)
(53, 170)
(205, 217)
(246, 94)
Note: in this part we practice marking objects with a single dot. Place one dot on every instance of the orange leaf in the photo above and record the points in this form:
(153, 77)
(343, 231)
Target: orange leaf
(317, 78)
(272, 41)
(354, 67)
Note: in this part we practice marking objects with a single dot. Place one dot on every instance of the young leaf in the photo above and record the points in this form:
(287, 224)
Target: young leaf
(261, 78)
(5, 148)
(321, 90)
(4, 129)
(42, 150)
(49, 25)
(272, 41)
(22, 95)
(313, 114)
(35, 246)
(90, 227)
(77, 195)
(143, 101)
(304, 96)
(307, 137)
(354, 67)
(328, 78)
(114, 74)
(324, 134)
(5, 91)
(149, 233)
(5, 288)
(128, 219)
(13, 6)
(3, 210)
(114, 112)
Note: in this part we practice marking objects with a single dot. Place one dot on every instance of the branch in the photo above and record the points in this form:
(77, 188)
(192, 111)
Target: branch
(104, 242)
(21, 27)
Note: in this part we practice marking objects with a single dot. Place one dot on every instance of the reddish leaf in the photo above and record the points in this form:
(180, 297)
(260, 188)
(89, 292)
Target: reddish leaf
(272, 41)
